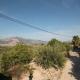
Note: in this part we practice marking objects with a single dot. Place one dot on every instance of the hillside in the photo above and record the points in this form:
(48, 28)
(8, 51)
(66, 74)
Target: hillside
(14, 40)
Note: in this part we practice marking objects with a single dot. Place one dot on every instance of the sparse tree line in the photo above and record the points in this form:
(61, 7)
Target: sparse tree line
(15, 60)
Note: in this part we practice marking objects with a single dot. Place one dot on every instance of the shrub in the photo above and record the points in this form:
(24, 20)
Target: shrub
(57, 45)
(19, 54)
(47, 57)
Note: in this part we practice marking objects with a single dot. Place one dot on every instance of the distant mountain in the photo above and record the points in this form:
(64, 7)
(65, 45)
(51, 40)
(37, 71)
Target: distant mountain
(14, 40)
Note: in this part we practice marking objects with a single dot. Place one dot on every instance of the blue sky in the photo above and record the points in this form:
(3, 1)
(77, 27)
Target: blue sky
(58, 16)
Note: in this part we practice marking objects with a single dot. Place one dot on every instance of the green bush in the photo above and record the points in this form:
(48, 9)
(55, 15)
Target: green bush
(57, 45)
(47, 57)
(19, 54)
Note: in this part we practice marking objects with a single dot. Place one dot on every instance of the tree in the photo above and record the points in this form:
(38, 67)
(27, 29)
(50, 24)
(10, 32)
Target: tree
(76, 41)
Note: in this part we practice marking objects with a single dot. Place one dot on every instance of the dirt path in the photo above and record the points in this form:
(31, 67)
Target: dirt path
(71, 69)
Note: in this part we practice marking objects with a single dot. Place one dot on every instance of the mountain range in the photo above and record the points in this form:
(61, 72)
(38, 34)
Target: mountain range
(12, 41)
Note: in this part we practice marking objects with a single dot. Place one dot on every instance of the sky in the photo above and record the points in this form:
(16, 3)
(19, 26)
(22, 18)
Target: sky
(57, 16)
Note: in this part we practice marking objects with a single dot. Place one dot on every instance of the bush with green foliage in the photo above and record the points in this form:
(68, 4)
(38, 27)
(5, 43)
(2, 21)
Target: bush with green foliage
(67, 46)
(50, 55)
(19, 54)
(57, 45)
(68, 49)
(3, 50)
(60, 46)
(47, 57)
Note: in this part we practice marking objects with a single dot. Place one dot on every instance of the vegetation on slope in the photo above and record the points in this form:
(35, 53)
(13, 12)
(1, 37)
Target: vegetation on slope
(19, 56)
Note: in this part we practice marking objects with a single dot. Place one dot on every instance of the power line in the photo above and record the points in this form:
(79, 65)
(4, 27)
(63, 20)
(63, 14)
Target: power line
(29, 25)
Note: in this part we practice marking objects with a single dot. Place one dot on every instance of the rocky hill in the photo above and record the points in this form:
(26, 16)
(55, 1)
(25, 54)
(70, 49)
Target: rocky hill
(14, 40)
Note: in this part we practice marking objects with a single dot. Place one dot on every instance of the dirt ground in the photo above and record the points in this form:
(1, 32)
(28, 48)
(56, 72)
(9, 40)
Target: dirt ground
(71, 71)
(42, 74)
